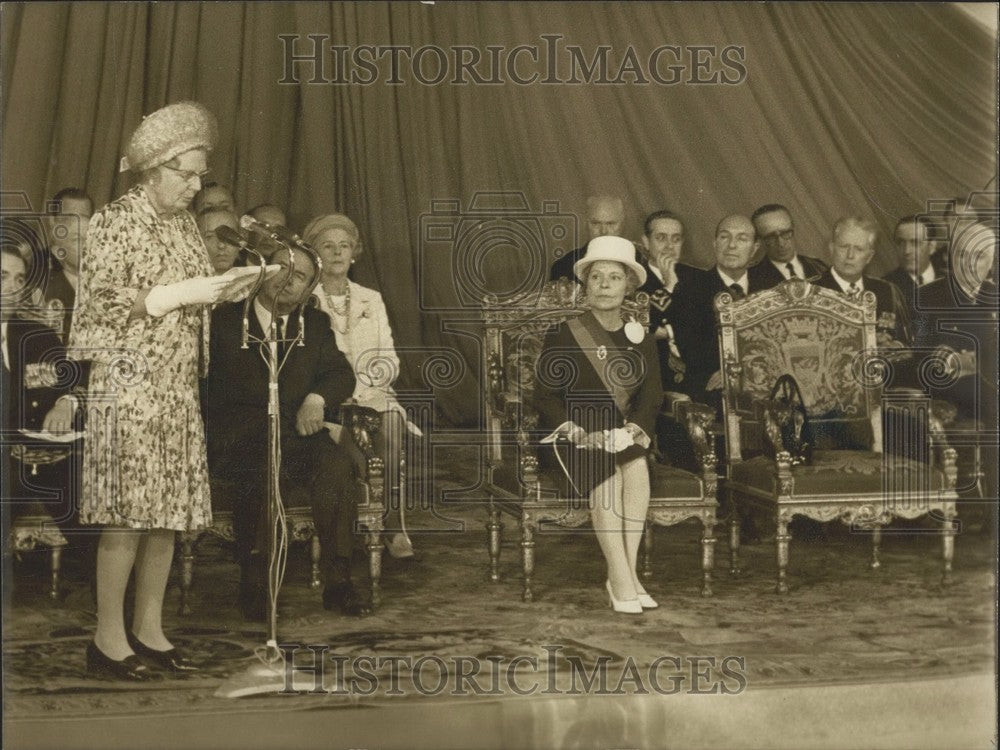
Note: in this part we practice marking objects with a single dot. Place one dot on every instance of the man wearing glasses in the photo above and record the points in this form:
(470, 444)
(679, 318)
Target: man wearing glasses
(776, 233)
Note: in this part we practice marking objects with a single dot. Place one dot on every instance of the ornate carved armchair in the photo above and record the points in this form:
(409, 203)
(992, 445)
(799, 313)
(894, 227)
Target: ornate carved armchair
(514, 330)
(827, 343)
(363, 423)
(36, 529)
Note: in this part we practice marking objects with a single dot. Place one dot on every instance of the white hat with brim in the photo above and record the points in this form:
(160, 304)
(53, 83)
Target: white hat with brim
(609, 247)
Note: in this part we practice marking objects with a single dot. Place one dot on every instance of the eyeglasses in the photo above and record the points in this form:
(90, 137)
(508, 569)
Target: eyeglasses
(186, 174)
(786, 234)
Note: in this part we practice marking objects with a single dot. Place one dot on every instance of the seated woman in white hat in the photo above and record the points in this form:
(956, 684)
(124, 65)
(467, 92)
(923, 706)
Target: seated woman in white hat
(598, 390)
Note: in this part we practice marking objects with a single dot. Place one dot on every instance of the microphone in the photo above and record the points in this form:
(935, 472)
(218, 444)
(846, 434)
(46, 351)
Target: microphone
(252, 225)
(246, 244)
(284, 235)
(232, 237)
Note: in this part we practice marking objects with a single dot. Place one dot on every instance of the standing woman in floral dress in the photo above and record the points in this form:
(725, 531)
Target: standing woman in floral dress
(142, 320)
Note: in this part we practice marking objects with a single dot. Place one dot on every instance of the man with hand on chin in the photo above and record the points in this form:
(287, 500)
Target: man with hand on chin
(663, 240)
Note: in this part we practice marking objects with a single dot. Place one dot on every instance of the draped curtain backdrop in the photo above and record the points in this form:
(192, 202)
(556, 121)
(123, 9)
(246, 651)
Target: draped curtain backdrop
(868, 109)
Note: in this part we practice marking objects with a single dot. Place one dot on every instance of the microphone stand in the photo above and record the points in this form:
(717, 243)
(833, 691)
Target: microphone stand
(271, 675)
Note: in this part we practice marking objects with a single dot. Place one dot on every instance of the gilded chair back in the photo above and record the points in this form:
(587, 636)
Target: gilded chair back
(822, 339)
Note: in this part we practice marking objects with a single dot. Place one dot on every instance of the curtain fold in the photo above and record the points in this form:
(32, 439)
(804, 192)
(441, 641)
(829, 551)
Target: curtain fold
(846, 108)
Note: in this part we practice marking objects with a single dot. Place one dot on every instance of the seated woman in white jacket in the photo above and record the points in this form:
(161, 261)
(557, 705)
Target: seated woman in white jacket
(361, 326)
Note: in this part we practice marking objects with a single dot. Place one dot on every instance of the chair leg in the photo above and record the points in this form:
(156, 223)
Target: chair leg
(527, 558)
(948, 543)
(56, 566)
(876, 546)
(734, 544)
(647, 551)
(494, 530)
(187, 574)
(314, 553)
(781, 540)
(375, 563)
(708, 555)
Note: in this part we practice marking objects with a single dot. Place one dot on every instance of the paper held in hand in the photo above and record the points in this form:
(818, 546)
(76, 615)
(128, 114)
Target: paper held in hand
(52, 437)
(614, 441)
(243, 278)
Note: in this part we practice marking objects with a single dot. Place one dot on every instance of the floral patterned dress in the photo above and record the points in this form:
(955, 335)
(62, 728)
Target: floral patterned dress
(144, 451)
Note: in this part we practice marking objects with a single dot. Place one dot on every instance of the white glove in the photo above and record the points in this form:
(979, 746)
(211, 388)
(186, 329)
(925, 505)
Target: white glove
(617, 440)
(202, 290)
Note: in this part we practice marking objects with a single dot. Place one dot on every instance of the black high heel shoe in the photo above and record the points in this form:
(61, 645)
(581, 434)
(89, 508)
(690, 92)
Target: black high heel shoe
(171, 660)
(129, 668)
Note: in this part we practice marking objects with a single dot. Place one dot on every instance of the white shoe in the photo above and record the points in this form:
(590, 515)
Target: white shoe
(624, 606)
(646, 601)
(399, 546)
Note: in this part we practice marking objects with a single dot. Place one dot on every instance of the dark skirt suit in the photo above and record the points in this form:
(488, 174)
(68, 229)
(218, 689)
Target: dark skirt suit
(568, 388)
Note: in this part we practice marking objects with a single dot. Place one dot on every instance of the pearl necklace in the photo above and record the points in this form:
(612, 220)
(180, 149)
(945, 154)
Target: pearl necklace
(343, 311)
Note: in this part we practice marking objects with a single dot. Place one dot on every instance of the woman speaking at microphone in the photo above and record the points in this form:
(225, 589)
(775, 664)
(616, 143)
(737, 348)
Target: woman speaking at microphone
(598, 390)
(142, 319)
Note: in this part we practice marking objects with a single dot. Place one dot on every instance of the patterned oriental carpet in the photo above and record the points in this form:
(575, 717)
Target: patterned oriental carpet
(842, 627)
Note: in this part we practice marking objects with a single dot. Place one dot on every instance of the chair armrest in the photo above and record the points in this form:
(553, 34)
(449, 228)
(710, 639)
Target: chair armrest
(764, 413)
(940, 416)
(699, 420)
(672, 404)
(364, 423)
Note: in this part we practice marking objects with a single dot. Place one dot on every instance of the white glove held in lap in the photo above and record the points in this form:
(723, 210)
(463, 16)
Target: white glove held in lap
(202, 290)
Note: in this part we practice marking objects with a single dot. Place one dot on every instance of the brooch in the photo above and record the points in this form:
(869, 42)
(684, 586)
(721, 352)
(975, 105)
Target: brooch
(634, 332)
(602, 352)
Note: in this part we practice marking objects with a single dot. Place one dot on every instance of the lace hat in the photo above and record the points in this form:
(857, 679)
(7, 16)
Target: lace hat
(167, 132)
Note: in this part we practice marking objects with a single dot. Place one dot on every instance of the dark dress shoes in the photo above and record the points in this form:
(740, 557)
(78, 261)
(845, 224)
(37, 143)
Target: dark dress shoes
(170, 660)
(346, 598)
(129, 668)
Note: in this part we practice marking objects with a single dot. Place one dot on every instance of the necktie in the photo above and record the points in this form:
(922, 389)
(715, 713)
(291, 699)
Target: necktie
(791, 271)
(854, 291)
(283, 334)
(737, 291)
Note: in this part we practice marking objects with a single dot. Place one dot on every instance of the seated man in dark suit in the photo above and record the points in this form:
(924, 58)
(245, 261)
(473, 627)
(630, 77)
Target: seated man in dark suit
(694, 311)
(775, 231)
(957, 320)
(314, 380)
(957, 317)
(605, 215)
(67, 226)
(914, 247)
(851, 249)
(663, 240)
(37, 395)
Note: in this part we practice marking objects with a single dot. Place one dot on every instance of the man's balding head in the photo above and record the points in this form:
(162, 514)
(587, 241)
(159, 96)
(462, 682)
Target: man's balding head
(605, 215)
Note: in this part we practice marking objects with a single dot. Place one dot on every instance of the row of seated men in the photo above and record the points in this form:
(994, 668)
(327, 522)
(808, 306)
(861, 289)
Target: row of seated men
(916, 303)
(235, 403)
